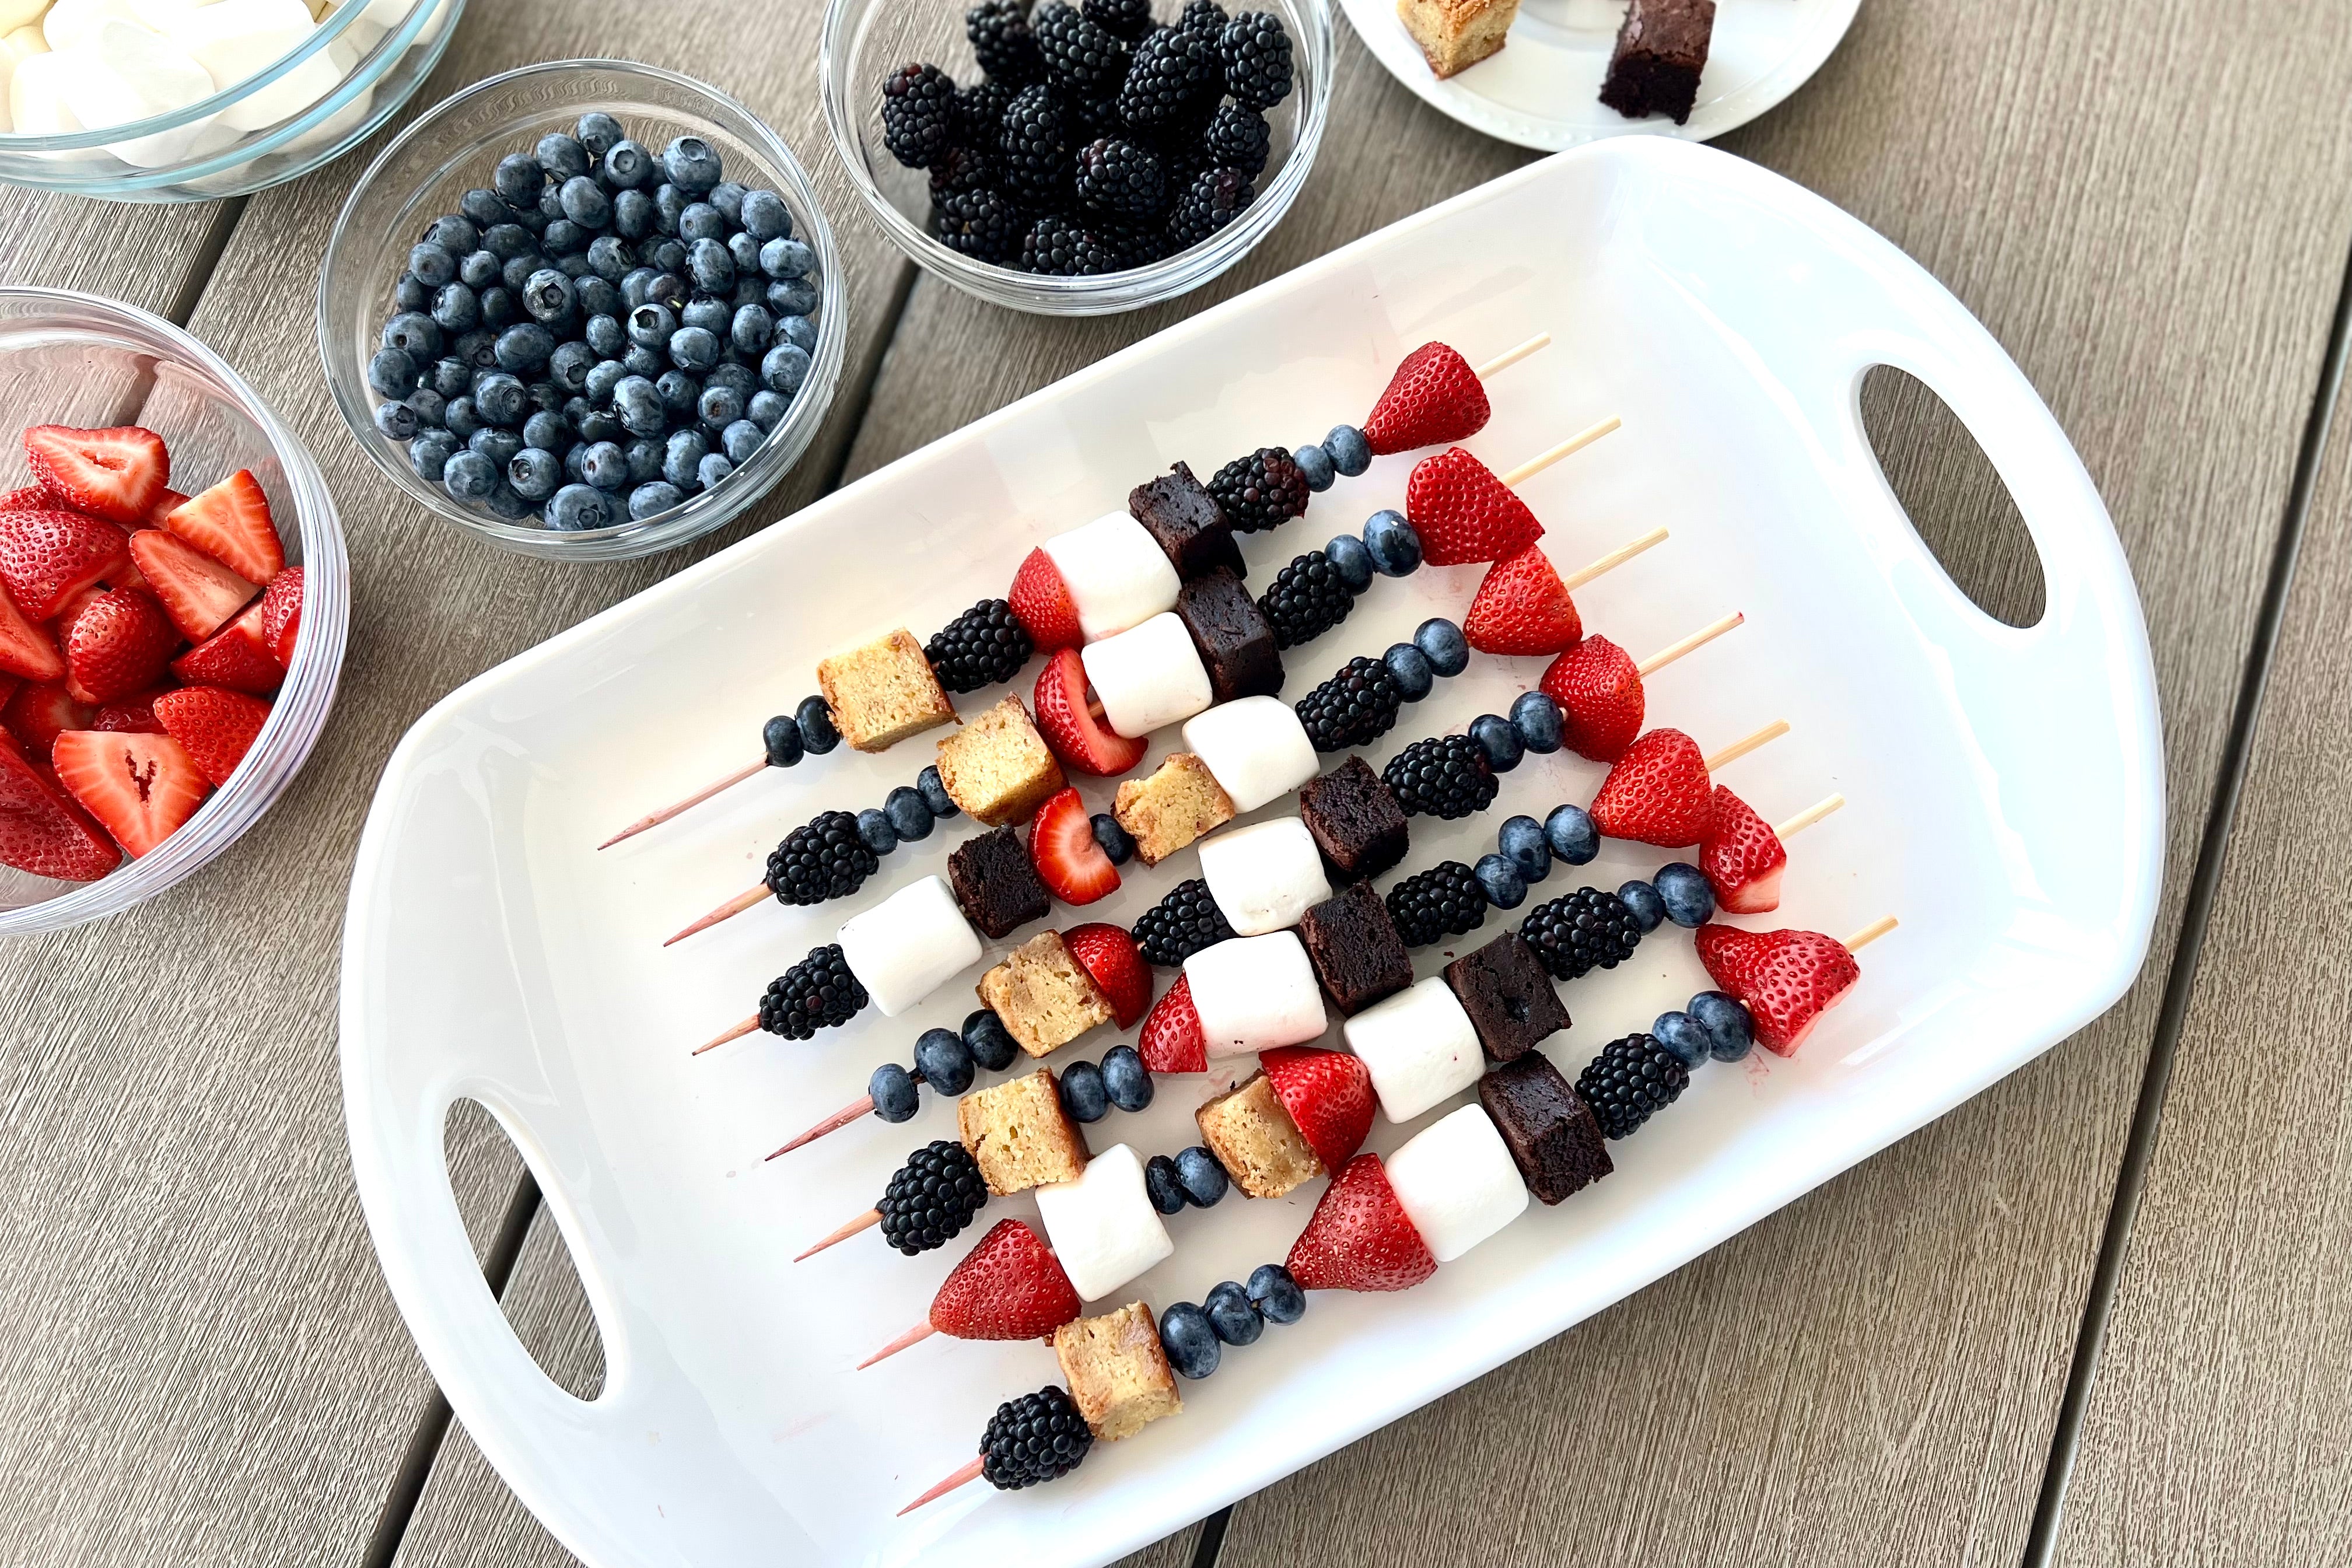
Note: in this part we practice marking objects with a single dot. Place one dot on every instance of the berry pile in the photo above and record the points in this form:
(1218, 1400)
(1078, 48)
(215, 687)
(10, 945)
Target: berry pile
(605, 333)
(1098, 139)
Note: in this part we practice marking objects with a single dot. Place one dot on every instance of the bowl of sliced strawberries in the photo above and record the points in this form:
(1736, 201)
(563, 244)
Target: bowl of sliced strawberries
(173, 596)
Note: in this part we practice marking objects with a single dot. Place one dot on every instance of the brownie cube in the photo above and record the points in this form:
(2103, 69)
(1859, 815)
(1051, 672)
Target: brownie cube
(1661, 50)
(1508, 996)
(1355, 822)
(1547, 1126)
(1235, 643)
(1178, 511)
(995, 885)
(1354, 946)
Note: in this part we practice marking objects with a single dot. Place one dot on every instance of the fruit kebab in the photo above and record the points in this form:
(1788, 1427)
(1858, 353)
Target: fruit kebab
(1096, 577)
(1388, 1224)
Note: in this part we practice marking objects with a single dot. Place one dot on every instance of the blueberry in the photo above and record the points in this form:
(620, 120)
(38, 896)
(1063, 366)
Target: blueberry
(572, 464)
(793, 297)
(1160, 1185)
(752, 331)
(1083, 1094)
(598, 296)
(944, 1060)
(1409, 668)
(432, 265)
(597, 425)
(1191, 1344)
(767, 409)
(1729, 1029)
(586, 204)
(668, 289)
(1569, 832)
(727, 198)
(644, 460)
(605, 465)
(1276, 1294)
(1314, 465)
(1349, 452)
(992, 1045)
(873, 828)
(576, 507)
(392, 373)
(497, 398)
(566, 239)
(1683, 1035)
(526, 348)
(643, 361)
(410, 293)
(765, 216)
(680, 394)
(668, 203)
(710, 266)
(1521, 840)
(456, 309)
(569, 365)
(603, 377)
(1442, 640)
(750, 288)
(633, 213)
(797, 331)
(478, 270)
(1126, 1080)
(507, 240)
(477, 350)
(710, 314)
(518, 270)
(1500, 880)
(744, 252)
(547, 206)
(1231, 1312)
(934, 791)
(783, 368)
(681, 458)
(461, 419)
(485, 207)
(782, 739)
(908, 817)
(430, 405)
(610, 257)
(1688, 897)
(652, 499)
(720, 406)
(562, 156)
(713, 471)
(1643, 902)
(815, 718)
(1498, 741)
(651, 324)
(549, 296)
(450, 377)
(1395, 547)
(1351, 561)
(739, 378)
(469, 476)
(667, 257)
(741, 439)
(534, 472)
(430, 453)
(1204, 1180)
(634, 286)
(543, 395)
(1114, 839)
(691, 164)
(627, 164)
(507, 502)
(701, 220)
(397, 420)
(413, 333)
(597, 131)
(499, 445)
(639, 407)
(497, 308)
(1535, 717)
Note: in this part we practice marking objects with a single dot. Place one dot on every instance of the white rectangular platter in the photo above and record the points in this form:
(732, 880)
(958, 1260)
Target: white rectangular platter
(2005, 790)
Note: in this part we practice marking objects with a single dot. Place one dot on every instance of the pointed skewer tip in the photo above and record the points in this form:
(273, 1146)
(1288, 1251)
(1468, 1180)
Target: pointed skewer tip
(913, 1336)
(747, 898)
(870, 1217)
(656, 818)
(833, 1123)
(737, 1033)
(969, 1472)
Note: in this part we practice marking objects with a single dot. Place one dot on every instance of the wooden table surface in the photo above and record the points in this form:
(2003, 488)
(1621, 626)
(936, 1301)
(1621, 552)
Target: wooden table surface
(2091, 1317)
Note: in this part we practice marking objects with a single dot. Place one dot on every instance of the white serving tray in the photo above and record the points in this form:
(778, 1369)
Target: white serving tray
(2006, 802)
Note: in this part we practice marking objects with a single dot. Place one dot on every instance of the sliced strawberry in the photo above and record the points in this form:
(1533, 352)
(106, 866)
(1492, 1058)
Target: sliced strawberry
(235, 657)
(1464, 513)
(115, 474)
(1010, 1287)
(37, 714)
(282, 614)
(25, 648)
(1041, 604)
(47, 555)
(1078, 736)
(1742, 857)
(1658, 792)
(1109, 955)
(1522, 607)
(215, 727)
(133, 715)
(118, 644)
(1358, 1237)
(1433, 396)
(142, 787)
(43, 832)
(1172, 1040)
(230, 522)
(1062, 847)
(32, 498)
(1786, 979)
(1599, 691)
(8, 687)
(1327, 1094)
(197, 591)
(168, 503)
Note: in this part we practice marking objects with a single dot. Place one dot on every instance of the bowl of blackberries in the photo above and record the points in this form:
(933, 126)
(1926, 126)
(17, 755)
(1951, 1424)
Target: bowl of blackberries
(1076, 159)
(586, 309)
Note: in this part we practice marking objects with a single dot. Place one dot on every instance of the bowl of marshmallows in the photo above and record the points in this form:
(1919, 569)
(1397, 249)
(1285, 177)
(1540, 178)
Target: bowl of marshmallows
(190, 99)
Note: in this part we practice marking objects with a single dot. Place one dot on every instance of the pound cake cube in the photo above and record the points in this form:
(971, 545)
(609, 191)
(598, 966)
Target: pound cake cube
(996, 885)
(1661, 50)
(998, 768)
(1118, 1376)
(1355, 819)
(1255, 1140)
(1455, 35)
(1044, 995)
(1508, 996)
(1171, 808)
(883, 692)
(1178, 512)
(1549, 1131)
(1019, 1135)
(1235, 640)
(1353, 943)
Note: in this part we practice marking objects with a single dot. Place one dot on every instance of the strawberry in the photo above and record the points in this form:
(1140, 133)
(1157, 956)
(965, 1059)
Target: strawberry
(1786, 979)
(37, 714)
(1599, 691)
(1172, 1040)
(198, 593)
(118, 644)
(130, 716)
(230, 522)
(168, 503)
(215, 727)
(32, 498)
(46, 556)
(1010, 1287)
(1041, 604)
(1062, 847)
(1522, 607)
(1111, 956)
(25, 648)
(1742, 857)
(1658, 792)
(115, 474)
(142, 787)
(41, 831)
(1327, 1094)
(235, 657)
(1463, 512)
(282, 614)
(1078, 736)
(1358, 1237)
(1433, 396)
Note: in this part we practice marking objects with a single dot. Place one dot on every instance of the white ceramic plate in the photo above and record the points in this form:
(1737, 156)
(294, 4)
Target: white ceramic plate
(1543, 90)
(2006, 803)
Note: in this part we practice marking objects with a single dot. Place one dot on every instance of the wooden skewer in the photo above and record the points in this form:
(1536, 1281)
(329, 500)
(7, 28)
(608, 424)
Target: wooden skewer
(833, 1123)
(1691, 644)
(870, 1219)
(735, 906)
(656, 819)
(970, 1472)
(1871, 933)
(1510, 357)
(1739, 749)
(1808, 816)
(913, 1336)
(1614, 559)
(737, 1033)
(1576, 443)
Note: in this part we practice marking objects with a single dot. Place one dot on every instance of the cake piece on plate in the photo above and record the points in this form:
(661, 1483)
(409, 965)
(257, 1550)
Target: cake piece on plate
(1119, 1375)
(1019, 1135)
(1455, 35)
(1254, 1139)
(998, 768)
(883, 692)
(1661, 50)
(1044, 995)
(1171, 808)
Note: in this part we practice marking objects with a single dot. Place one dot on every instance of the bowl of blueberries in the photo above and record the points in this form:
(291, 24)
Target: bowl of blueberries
(585, 310)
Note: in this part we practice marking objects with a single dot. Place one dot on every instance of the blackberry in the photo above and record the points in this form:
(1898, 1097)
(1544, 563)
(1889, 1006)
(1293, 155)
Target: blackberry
(1203, 15)
(985, 645)
(1002, 43)
(1039, 1436)
(1177, 78)
(980, 114)
(1035, 144)
(1633, 1076)
(1237, 138)
(962, 170)
(1180, 925)
(1262, 490)
(1441, 901)
(1060, 246)
(1129, 19)
(1080, 54)
(821, 860)
(919, 113)
(1581, 931)
(1092, 119)
(1121, 179)
(1256, 54)
(1213, 199)
(817, 993)
(1131, 244)
(931, 1197)
(987, 225)
(1354, 708)
(1306, 599)
(1447, 777)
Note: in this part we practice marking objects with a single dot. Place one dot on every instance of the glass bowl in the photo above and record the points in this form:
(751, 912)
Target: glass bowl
(864, 40)
(452, 149)
(193, 154)
(74, 359)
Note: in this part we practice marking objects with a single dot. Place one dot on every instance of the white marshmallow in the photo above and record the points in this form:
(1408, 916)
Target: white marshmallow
(908, 945)
(335, 125)
(1254, 746)
(1456, 1183)
(1255, 993)
(1263, 877)
(1147, 677)
(70, 23)
(17, 14)
(36, 101)
(389, 14)
(17, 45)
(1102, 1226)
(234, 39)
(1418, 1046)
(1117, 573)
(122, 72)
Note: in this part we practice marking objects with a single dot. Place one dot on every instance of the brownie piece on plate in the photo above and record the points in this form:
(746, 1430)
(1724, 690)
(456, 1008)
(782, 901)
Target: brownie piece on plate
(1661, 50)
(1549, 1131)
(1455, 35)
(1352, 942)
(1508, 996)
(1235, 644)
(1178, 511)
(995, 886)
(1355, 819)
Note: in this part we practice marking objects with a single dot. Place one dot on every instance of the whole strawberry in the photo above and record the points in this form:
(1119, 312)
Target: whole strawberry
(1327, 1094)
(118, 644)
(46, 556)
(1658, 792)
(1599, 691)
(1358, 1237)
(1010, 1287)
(1786, 979)
(1172, 1040)
(1464, 513)
(1742, 857)
(1433, 396)
(1522, 607)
